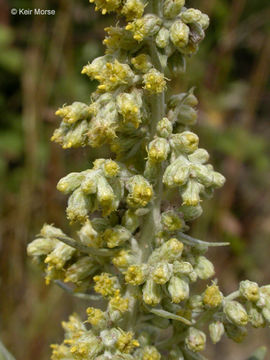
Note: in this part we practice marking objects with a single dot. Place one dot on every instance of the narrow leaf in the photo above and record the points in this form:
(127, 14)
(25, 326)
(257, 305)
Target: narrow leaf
(167, 315)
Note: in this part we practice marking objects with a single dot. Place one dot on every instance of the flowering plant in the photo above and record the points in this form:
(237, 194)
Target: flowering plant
(131, 249)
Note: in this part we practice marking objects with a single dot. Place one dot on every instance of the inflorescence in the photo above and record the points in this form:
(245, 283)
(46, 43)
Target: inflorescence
(131, 249)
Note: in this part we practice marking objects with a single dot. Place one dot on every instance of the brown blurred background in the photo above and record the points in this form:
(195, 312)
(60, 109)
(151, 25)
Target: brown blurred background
(40, 62)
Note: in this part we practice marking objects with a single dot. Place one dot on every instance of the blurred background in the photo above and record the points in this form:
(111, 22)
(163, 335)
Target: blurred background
(40, 62)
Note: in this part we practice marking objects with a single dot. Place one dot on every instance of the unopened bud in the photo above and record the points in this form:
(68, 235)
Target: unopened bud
(158, 150)
(164, 128)
(172, 8)
(70, 182)
(179, 34)
(216, 331)
(162, 273)
(163, 38)
(250, 290)
(212, 296)
(178, 289)
(152, 294)
(204, 268)
(236, 312)
(234, 332)
(195, 340)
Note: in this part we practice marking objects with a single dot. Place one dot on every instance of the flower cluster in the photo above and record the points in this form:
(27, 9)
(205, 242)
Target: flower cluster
(130, 249)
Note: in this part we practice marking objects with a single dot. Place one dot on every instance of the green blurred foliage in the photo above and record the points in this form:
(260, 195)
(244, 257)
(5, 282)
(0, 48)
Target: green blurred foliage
(40, 63)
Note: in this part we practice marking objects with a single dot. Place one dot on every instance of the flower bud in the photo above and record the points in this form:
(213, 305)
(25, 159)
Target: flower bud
(105, 196)
(182, 267)
(255, 317)
(171, 250)
(191, 15)
(158, 150)
(151, 293)
(41, 246)
(235, 312)
(177, 173)
(60, 255)
(136, 274)
(96, 317)
(80, 270)
(195, 302)
(187, 115)
(234, 332)
(116, 236)
(162, 273)
(179, 34)
(172, 8)
(186, 142)
(216, 331)
(218, 179)
(49, 231)
(195, 16)
(142, 62)
(140, 191)
(154, 81)
(266, 313)
(111, 169)
(117, 306)
(70, 182)
(200, 156)
(106, 284)
(178, 289)
(212, 296)
(76, 136)
(79, 205)
(123, 259)
(250, 290)
(106, 6)
(73, 113)
(87, 345)
(129, 105)
(204, 268)
(191, 193)
(133, 9)
(150, 353)
(163, 38)
(171, 221)
(164, 128)
(89, 183)
(195, 340)
(148, 25)
(191, 212)
(125, 342)
(193, 276)
(89, 236)
(264, 296)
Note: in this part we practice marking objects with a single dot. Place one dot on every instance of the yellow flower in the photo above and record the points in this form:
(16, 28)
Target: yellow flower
(119, 303)
(126, 343)
(154, 81)
(106, 5)
(106, 284)
(133, 9)
(212, 296)
(136, 274)
(95, 316)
